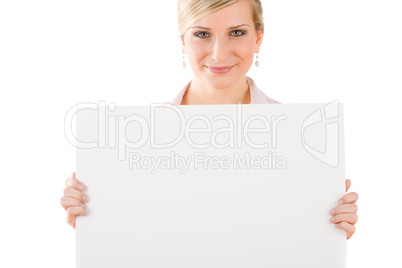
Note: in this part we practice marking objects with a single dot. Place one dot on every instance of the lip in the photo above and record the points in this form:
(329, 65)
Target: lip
(220, 70)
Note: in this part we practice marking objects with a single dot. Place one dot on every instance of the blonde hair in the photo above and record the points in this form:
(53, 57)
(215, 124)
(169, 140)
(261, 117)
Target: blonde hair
(190, 11)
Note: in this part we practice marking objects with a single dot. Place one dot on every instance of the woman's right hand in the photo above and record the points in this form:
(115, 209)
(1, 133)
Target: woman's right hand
(73, 200)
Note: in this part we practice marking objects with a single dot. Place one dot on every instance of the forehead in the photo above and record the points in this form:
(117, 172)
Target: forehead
(235, 14)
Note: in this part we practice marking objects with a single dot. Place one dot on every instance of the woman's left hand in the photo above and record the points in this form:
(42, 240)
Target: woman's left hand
(344, 214)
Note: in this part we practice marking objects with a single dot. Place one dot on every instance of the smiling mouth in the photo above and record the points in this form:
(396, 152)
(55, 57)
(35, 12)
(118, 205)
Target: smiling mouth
(220, 70)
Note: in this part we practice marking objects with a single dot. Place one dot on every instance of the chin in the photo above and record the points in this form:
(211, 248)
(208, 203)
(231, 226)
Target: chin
(221, 80)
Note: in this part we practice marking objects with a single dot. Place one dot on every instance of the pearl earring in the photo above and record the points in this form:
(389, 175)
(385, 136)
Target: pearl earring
(257, 63)
(184, 64)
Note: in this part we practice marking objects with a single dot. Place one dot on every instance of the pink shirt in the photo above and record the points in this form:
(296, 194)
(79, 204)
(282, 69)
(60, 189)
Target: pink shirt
(257, 96)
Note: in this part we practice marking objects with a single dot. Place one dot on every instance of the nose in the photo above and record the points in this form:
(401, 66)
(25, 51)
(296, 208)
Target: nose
(221, 50)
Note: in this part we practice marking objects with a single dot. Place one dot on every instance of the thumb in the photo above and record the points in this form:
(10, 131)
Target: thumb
(348, 183)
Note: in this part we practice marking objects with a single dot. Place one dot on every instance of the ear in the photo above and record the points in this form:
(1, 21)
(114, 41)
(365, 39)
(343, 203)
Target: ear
(183, 45)
(259, 38)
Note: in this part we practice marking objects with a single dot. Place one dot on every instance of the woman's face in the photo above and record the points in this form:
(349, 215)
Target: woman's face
(226, 38)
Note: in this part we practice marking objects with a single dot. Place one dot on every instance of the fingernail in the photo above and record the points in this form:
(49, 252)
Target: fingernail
(340, 202)
(82, 205)
(84, 198)
(333, 211)
(80, 187)
(333, 218)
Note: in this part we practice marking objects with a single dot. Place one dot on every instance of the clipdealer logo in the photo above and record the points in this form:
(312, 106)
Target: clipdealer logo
(330, 121)
(115, 125)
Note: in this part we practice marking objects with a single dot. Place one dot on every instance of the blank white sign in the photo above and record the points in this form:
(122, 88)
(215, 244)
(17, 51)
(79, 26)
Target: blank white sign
(210, 185)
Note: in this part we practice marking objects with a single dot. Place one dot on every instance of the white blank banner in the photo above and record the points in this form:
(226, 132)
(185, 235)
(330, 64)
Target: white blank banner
(220, 186)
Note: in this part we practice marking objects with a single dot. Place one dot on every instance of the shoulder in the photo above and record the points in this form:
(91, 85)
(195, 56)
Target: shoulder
(179, 97)
(257, 95)
(272, 101)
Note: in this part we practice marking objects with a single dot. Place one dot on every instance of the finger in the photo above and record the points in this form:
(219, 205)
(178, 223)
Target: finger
(348, 198)
(347, 217)
(67, 202)
(348, 183)
(346, 208)
(74, 176)
(72, 212)
(74, 183)
(348, 228)
(71, 192)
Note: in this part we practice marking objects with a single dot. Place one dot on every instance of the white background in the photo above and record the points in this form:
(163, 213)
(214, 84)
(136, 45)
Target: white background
(55, 54)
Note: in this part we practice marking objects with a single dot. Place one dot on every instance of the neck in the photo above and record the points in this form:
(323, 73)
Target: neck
(199, 93)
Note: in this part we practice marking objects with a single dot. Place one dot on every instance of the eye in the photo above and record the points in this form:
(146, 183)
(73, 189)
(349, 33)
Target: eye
(200, 35)
(240, 32)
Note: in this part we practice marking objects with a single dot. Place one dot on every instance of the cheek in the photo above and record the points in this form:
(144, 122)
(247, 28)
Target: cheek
(195, 51)
(245, 51)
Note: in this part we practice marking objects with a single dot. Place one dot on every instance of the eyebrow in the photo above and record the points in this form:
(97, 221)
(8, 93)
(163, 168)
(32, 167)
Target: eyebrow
(205, 28)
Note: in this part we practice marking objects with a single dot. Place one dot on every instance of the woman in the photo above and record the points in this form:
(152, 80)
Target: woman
(220, 38)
